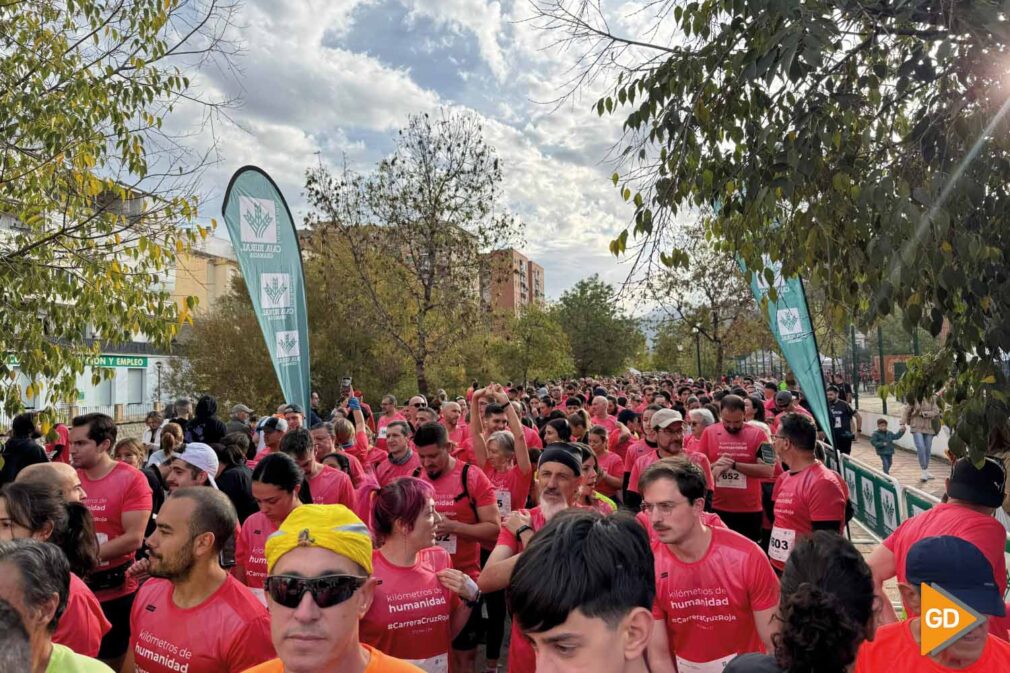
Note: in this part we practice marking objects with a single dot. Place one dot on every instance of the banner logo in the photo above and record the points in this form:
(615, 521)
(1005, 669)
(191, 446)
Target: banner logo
(287, 345)
(275, 290)
(944, 619)
(258, 220)
(789, 322)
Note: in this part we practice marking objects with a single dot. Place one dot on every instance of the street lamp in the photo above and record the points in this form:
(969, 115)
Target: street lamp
(158, 365)
(697, 346)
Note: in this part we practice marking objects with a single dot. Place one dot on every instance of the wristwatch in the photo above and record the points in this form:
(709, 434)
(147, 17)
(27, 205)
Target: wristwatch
(475, 602)
(523, 529)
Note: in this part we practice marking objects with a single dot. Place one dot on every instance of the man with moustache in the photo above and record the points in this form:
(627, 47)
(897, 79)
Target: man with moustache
(193, 613)
(558, 477)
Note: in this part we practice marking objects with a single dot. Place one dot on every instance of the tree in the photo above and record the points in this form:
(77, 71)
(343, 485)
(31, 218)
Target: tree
(94, 190)
(535, 346)
(602, 337)
(861, 144)
(427, 215)
(708, 293)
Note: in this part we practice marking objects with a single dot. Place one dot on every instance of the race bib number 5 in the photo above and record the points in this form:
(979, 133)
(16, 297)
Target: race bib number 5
(731, 479)
(781, 545)
(504, 498)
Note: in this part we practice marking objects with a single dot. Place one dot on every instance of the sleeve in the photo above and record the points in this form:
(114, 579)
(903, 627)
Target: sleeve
(826, 501)
(633, 480)
(702, 461)
(252, 645)
(616, 467)
(507, 539)
(658, 613)
(533, 439)
(138, 496)
(705, 444)
(361, 443)
(345, 494)
(481, 489)
(630, 458)
(763, 583)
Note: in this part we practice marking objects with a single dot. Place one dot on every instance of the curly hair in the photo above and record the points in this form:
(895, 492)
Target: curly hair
(826, 606)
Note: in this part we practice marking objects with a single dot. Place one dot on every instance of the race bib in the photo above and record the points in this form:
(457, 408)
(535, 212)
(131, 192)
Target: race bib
(838, 422)
(731, 479)
(260, 594)
(382, 432)
(447, 543)
(102, 538)
(437, 664)
(714, 666)
(504, 497)
(782, 542)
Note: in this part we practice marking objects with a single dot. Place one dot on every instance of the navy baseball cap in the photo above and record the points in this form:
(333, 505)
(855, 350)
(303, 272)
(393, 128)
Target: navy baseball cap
(959, 568)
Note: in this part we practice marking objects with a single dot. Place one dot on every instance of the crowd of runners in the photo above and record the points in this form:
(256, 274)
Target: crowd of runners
(647, 523)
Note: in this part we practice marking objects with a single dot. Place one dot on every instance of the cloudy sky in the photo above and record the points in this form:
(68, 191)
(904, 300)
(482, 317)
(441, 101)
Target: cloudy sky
(321, 80)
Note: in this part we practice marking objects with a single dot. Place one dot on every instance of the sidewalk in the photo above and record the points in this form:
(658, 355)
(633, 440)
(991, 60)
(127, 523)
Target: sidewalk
(905, 469)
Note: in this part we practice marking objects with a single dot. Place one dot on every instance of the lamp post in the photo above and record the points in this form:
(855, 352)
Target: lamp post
(158, 365)
(697, 347)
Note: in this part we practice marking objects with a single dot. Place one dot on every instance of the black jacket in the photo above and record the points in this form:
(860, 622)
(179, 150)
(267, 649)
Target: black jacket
(205, 426)
(19, 453)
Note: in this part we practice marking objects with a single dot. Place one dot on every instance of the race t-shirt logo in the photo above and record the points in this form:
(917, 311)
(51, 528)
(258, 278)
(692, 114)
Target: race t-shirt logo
(275, 290)
(258, 219)
(287, 344)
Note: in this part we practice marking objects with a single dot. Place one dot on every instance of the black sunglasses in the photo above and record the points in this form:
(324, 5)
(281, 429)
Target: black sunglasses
(419, 405)
(326, 590)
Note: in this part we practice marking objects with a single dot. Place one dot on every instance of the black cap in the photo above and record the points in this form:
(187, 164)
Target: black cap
(295, 409)
(983, 485)
(783, 397)
(565, 453)
(959, 568)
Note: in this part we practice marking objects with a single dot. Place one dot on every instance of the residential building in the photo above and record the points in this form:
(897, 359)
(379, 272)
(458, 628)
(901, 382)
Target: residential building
(205, 272)
(510, 281)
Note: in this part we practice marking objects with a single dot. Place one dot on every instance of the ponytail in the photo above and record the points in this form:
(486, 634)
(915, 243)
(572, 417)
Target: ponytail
(79, 540)
(171, 438)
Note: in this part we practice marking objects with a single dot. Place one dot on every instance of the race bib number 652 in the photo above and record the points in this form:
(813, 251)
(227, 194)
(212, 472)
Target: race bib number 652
(732, 479)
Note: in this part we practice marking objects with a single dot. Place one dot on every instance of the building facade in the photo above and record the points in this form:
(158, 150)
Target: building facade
(510, 281)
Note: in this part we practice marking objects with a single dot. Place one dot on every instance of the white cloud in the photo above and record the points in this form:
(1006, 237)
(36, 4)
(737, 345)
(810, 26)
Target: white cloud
(307, 98)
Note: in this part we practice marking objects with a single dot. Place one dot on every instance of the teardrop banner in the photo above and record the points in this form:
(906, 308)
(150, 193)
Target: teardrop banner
(266, 245)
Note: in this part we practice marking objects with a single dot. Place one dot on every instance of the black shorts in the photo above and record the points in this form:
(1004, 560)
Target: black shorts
(115, 642)
(472, 634)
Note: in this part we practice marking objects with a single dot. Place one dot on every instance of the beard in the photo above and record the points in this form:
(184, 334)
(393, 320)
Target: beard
(552, 507)
(175, 567)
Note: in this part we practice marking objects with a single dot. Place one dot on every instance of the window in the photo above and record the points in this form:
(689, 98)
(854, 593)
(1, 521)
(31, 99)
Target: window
(135, 386)
(103, 392)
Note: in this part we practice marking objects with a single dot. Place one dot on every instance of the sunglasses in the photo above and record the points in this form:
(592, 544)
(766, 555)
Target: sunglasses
(326, 590)
(419, 405)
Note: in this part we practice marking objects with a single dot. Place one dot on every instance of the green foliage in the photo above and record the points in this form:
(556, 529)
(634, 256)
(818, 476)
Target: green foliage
(862, 144)
(535, 346)
(93, 192)
(602, 337)
(417, 229)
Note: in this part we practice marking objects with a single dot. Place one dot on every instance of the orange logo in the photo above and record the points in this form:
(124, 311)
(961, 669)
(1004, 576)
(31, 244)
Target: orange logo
(944, 619)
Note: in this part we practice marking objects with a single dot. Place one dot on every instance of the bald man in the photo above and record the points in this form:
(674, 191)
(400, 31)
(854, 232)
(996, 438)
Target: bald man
(61, 474)
(454, 425)
(600, 415)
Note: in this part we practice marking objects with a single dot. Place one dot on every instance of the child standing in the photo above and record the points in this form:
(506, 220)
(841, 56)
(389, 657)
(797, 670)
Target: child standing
(883, 441)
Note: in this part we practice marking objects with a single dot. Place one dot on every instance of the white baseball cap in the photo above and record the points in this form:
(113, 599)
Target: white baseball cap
(202, 457)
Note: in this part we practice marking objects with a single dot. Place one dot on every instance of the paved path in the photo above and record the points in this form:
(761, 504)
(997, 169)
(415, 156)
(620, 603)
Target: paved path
(904, 468)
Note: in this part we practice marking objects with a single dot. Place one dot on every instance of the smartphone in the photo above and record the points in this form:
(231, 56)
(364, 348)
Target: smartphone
(345, 382)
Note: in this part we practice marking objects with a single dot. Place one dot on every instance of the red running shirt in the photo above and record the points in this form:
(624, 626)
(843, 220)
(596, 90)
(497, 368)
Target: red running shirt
(734, 491)
(511, 487)
(250, 552)
(708, 606)
(801, 498)
(387, 471)
(123, 489)
(983, 531)
(83, 624)
(612, 464)
(228, 632)
(448, 489)
(410, 613)
(332, 487)
(522, 658)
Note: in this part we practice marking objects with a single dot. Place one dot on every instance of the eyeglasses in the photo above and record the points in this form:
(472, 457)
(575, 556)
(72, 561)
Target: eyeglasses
(326, 590)
(664, 508)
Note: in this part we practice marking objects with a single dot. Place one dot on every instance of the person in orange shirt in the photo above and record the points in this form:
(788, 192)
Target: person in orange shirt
(318, 588)
(962, 570)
